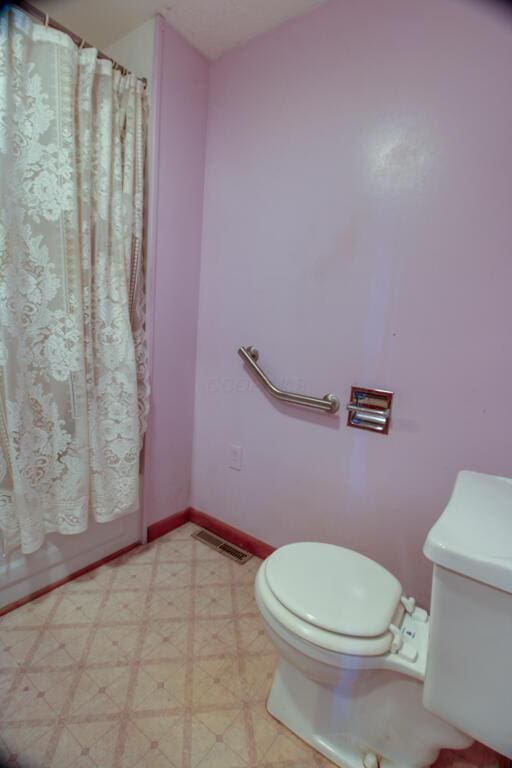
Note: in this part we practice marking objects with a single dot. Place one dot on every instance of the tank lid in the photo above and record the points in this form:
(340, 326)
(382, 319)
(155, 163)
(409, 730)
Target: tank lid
(473, 536)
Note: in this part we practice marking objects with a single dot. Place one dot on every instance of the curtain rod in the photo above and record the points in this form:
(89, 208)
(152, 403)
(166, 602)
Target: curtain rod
(49, 22)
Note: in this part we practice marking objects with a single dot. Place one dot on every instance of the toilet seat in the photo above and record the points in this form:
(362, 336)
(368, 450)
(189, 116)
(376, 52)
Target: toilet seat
(334, 588)
(313, 634)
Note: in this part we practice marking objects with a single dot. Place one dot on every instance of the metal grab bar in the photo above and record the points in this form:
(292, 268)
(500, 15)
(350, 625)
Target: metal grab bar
(329, 403)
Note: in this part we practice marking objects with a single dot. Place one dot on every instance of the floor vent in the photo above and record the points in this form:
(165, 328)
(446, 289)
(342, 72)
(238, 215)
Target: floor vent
(222, 546)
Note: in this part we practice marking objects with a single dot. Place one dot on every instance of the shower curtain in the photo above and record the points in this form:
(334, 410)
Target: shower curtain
(73, 372)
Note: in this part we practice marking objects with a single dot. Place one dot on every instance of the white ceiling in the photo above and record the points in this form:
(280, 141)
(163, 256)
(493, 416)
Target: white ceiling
(215, 26)
(211, 26)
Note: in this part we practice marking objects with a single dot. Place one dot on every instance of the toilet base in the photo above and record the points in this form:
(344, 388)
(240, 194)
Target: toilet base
(367, 711)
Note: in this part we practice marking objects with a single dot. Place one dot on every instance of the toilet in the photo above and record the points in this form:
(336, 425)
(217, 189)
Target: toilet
(368, 678)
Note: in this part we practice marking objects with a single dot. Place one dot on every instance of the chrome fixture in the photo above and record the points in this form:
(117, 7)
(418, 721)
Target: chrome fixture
(370, 409)
(329, 403)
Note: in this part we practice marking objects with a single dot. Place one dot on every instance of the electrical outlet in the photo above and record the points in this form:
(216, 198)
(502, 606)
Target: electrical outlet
(235, 457)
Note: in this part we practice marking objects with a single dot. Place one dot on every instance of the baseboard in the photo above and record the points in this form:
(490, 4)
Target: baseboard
(213, 524)
(168, 524)
(231, 534)
(80, 572)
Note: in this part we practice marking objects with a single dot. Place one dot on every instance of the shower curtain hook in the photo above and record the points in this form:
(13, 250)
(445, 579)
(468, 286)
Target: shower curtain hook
(46, 20)
(82, 43)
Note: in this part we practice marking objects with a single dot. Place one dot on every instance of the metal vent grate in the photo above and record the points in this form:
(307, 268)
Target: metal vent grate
(222, 546)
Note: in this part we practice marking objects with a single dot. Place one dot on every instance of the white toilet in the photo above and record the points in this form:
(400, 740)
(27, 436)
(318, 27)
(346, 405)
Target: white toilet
(369, 679)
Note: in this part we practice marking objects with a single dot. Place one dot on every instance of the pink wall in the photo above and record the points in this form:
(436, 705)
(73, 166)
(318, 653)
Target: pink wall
(180, 103)
(357, 229)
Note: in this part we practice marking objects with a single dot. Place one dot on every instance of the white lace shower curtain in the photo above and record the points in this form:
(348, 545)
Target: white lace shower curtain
(73, 373)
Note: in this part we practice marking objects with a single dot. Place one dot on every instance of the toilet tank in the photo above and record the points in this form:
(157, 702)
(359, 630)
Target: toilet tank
(468, 680)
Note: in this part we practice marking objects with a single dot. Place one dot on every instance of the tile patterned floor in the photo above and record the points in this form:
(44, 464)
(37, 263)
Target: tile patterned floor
(156, 660)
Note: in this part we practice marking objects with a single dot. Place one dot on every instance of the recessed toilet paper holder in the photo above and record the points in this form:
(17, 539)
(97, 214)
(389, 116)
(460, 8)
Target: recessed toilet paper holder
(370, 409)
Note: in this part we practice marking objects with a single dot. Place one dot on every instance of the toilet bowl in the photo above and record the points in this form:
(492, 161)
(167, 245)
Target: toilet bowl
(368, 678)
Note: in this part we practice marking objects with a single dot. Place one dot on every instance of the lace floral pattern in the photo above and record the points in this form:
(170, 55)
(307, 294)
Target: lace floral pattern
(73, 360)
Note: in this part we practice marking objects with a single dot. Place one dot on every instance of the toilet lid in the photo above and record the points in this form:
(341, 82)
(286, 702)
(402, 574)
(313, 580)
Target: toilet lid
(334, 588)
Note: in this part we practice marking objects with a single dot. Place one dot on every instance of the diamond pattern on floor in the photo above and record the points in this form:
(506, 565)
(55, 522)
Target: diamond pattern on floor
(157, 660)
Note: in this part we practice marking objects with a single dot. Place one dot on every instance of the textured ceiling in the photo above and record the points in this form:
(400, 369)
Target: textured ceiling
(215, 26)
(211, 26)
